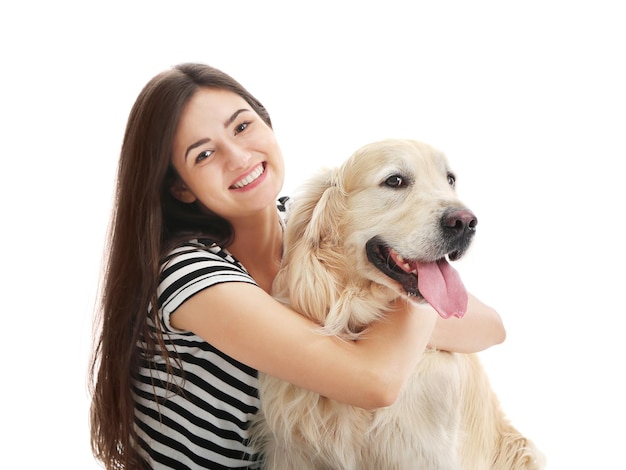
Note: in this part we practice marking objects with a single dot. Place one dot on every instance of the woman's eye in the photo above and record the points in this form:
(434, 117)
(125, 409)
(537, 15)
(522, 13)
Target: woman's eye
(204, 155)
(241, 127)
(451, 179)
(395, 181)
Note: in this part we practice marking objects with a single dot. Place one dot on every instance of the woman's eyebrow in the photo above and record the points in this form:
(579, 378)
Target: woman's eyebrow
(195, 145)
(231, 119)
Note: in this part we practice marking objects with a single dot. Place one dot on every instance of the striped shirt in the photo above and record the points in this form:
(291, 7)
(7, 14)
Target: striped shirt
(205, 425)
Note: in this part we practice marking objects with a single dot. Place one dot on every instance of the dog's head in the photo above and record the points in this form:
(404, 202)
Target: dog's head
(389, 216)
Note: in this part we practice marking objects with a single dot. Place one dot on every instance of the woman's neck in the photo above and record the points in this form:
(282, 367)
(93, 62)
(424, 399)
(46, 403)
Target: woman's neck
(258, 246)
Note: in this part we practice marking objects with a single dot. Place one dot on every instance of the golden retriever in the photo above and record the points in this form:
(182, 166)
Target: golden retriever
(383, 225)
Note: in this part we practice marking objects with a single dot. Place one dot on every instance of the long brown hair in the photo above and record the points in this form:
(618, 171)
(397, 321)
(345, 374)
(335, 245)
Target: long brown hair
(146, 222)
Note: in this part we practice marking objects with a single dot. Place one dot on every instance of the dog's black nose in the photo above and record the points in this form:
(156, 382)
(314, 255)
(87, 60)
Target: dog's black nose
(459, 222)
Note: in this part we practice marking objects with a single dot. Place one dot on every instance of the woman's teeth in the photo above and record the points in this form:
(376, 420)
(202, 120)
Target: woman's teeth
(250, 178)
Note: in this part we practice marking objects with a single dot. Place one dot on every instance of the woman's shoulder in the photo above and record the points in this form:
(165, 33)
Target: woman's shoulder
(194, 266)
(197, 250)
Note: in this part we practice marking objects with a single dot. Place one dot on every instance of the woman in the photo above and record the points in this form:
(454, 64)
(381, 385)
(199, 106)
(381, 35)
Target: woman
(186, 315)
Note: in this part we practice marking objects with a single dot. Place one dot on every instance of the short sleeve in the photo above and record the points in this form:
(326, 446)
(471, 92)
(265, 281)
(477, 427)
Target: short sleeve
(192, 268)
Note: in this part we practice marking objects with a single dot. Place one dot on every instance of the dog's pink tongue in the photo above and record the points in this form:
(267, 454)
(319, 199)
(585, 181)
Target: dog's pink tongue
(441, 286)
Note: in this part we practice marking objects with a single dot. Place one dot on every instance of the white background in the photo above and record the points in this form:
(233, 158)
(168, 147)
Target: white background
(527, 99)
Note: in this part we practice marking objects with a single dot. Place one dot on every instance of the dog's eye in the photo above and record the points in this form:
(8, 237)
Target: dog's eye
(451, 179)
(395, 181)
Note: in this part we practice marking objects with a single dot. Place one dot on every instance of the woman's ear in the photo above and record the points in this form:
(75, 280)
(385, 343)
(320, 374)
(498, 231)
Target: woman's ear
(181, 192)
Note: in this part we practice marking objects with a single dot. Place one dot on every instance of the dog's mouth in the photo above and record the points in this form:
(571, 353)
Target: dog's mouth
(435, 281)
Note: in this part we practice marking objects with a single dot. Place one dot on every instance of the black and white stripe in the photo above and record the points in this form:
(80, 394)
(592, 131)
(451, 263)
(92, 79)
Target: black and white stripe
(205, 426)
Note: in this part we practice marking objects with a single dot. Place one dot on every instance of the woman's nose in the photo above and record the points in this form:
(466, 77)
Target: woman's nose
(238, 156)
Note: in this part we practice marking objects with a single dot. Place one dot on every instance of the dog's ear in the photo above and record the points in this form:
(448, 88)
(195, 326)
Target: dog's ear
(316, 211)
(322, 209)
(309, 260)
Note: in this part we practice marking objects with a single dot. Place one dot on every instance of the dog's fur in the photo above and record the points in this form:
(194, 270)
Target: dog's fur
(447, 417)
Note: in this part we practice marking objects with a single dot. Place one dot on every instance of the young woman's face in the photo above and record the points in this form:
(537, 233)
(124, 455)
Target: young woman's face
(226, 156)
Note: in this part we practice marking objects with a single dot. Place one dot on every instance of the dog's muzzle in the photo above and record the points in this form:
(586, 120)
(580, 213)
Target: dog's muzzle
(434, 279)
(458, 227)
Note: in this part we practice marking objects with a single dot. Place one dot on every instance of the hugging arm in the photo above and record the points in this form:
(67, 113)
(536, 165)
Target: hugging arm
(249, 325)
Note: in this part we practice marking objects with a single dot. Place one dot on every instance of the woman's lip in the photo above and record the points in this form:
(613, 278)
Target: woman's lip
(250, 178)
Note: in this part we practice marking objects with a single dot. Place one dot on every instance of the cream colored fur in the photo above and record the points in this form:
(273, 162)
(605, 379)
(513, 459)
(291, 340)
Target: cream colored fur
(447, 417)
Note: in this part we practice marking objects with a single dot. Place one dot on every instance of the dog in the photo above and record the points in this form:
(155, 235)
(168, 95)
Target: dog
(384, 225)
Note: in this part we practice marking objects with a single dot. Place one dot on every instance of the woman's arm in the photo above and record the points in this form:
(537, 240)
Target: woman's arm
(246, 323)
(480, 328)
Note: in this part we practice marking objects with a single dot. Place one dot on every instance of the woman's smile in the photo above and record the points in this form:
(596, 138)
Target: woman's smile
(253, 176)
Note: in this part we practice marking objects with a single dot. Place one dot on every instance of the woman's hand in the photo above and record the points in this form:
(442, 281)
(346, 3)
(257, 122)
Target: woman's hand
(480, 328)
